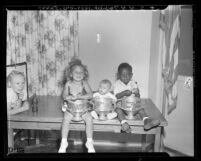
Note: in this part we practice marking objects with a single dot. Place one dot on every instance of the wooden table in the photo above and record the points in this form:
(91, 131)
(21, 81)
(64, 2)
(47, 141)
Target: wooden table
(49, 117)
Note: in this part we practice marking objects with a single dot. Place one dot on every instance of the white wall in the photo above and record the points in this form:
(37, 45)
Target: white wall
(155, 62)
(180, 129)
(125, 37)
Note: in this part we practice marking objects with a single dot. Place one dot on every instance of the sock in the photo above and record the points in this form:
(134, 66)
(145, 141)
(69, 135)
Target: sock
(145, 118)
(63, 145)
(111, 115)
(94, 114)
(64, 140)
(89, 139)
(89, 145)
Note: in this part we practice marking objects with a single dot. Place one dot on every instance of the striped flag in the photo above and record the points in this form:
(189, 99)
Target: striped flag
(170, 25)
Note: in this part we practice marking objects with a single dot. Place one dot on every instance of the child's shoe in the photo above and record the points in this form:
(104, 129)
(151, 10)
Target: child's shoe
(90, 147)
(63, 147)
(150, 123)
(111, 115)
(94, 114)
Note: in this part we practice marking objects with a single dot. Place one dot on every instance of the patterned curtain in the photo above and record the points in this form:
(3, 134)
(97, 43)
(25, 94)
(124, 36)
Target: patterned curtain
(46, 40)
(170, 24)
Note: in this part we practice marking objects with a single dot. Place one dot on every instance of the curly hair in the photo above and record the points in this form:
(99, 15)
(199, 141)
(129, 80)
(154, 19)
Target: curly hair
(67, 75)
(11, 76)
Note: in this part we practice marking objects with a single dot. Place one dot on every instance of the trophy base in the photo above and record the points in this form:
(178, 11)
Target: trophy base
(77, 119)
(102, 117)
(130, 117)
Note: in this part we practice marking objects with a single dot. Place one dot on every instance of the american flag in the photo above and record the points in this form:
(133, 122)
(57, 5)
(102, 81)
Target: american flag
(170, 19)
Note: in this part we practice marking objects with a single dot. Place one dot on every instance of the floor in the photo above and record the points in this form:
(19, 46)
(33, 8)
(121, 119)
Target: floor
(50, 140)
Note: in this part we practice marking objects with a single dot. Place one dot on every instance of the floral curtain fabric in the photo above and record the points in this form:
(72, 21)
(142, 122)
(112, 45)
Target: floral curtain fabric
(46, 40)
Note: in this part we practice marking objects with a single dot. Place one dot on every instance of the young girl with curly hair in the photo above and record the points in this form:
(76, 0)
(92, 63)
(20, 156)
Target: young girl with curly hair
(76, 87)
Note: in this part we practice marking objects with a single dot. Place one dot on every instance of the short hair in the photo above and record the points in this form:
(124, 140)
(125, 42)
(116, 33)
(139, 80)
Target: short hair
(124, 66)
(13, 74)
(106, 81)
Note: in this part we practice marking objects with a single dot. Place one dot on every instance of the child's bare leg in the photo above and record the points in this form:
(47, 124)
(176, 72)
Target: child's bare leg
(142, 113)
(64, 131)
(121, 117)
(89, 131)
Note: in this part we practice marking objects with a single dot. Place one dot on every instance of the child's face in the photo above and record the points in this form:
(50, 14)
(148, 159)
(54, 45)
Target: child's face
(78, 73)
(125, 75)
(18, 83)
(104, 88)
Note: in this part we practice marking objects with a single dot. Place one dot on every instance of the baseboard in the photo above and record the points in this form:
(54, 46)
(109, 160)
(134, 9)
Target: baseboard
(175, 152)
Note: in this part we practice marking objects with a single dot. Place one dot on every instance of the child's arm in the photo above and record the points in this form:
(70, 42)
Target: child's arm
(123, 93)
(15, 110)
(89, 93)
(136, 92)
(65, 94)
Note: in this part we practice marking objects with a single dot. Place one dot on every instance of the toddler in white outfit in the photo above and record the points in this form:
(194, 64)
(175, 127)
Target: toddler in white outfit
(104, 92)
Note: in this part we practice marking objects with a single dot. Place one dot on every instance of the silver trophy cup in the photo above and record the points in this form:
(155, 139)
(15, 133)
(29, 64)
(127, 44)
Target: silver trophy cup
(103, 106)
(77, 108)
(131, 105)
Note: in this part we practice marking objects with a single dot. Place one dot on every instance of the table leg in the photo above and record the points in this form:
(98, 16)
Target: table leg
(162, 137)
(36, 134)
(10, 138)
(29, 136)
(157, 143)
(143, 140)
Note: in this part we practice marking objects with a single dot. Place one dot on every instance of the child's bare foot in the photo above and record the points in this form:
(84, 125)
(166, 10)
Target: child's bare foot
(111, 115)
(94, 114)
(125, 127)
(150, 123)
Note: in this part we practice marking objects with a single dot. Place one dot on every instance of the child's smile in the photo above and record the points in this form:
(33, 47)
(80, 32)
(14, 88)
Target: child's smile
(18, 84)
(78, 73)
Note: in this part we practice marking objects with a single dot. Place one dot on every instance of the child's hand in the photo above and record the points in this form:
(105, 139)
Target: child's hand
(135, 91)
(12, 106)
(127, 93)
(21, 95)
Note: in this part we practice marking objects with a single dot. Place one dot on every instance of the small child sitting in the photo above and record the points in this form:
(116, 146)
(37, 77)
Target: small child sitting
(16, 98)
(124, 87)
(104, 92)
